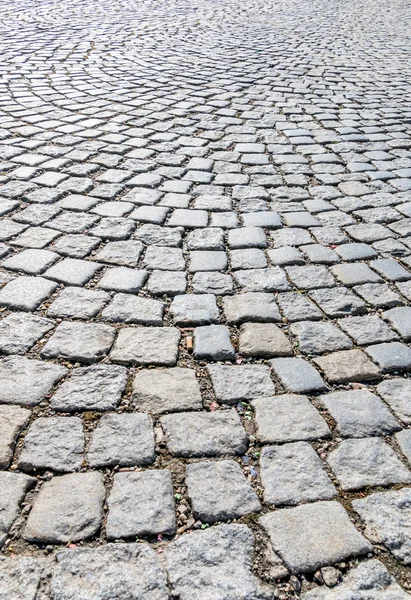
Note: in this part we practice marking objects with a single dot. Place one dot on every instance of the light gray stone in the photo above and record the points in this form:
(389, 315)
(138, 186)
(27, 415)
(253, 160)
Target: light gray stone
(141, 503)
(55, 443)
(12, 421)
(359, 463)
(216, 433)
(98, 387)
(329, 536)
(82, 342)
(263, 340)
(219, 491)
(272, 279)
(20, 577)
(67, 509)
(293, 473)
(123, 279)
(370, 579)
(147, 346)
(20, 331)
(13, 488)
(297, 375)
(166, 390)
(288, 418)
(194, 309)
(387, 516)
(120, 571)
(122, 439)
(360, 413)
(212, 342)
(234, 383)
(27, 382)
(318, 337)
(368, 329)
(26, 293)
(126, 308)
(347, 366)
(397, 394)
(215, 564)
(390, 356)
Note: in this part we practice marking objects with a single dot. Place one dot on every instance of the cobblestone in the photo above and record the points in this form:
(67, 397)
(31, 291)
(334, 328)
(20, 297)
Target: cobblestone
(205, 213)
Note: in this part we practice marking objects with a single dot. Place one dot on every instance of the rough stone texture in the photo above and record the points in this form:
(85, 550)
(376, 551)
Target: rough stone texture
(329, 536)
(232, 384)
(263, 340)
(297, 375)
(215, 564)
(188, 310)
(212, 342)
(218, 491)
(251, 306)
(288, 418)
(19, 332)
(81, 342)
(121, 571)
(360, 413)
(167, 390)
(122, 439)
(205, 434)
(55, 443)
(366, 462)
(316, 338)
(293, 473)
(67, 509)
(351, 365)
(141, 504)
(20, 577)
(397, 394)
(146, 346)
(27, 382)
(12, 421)
(98, 387)
(387, 516)
(13, 487)
(370, 579)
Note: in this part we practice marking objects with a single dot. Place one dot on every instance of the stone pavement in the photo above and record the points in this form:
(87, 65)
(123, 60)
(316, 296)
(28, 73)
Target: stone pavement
(205, 286)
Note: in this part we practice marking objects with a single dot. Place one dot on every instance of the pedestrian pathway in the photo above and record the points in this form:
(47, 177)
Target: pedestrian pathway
(205, 286)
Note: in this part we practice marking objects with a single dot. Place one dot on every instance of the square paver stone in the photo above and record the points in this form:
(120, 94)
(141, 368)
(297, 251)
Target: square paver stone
(194, 309)
(355, 274)
(397, 394)
(122, 439)
(123, 279)
(297, 375)
(251, 306)
(234, 383)
(390, 356)
(13, 488)
(400, 319)
(212, 342)
(387, 516)
(32, 261)
(167, 390)
(288, 418)
(141, 503)
(293, 473)
(219, 491)
(359, 463)
(27, 381)
(20, 577)
(67, 509)
(72, 271)
(55, 443)
(263, 340)
(20, 331)
(98, 388)
(78, 303)
(131, 571)
(204, 434)
(26, 293)
(147, 346)
(82, 342)
(368, 329)
(316, 337)
(126, 308)
(347, 366)
(12, 421)
(217, 563)
(313, 535)
(338, 302)
(360, 413)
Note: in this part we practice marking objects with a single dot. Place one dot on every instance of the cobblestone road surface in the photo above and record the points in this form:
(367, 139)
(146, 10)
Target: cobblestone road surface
(205, 277)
